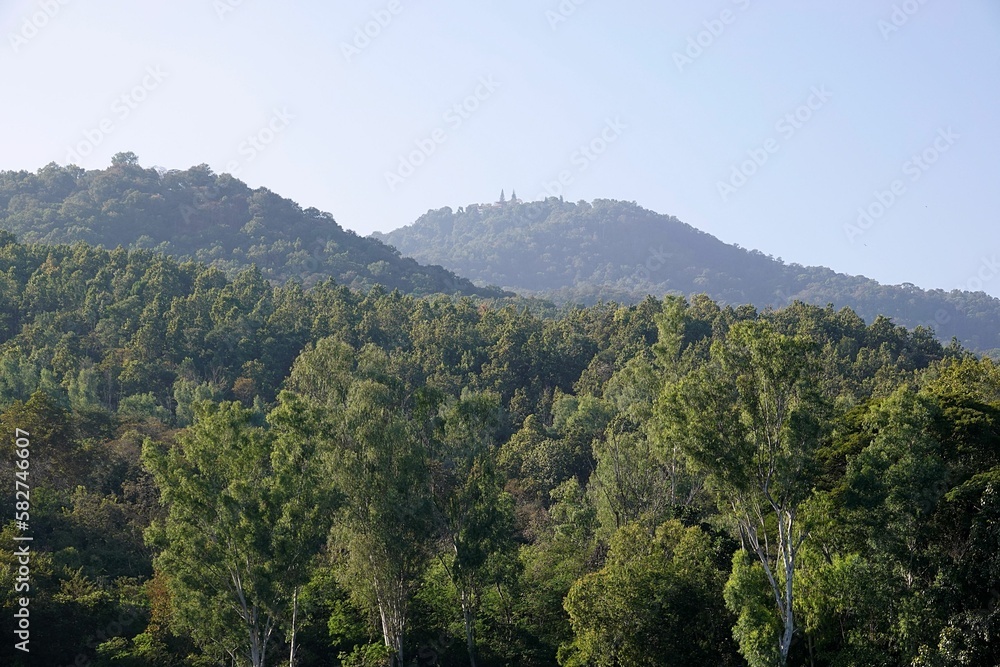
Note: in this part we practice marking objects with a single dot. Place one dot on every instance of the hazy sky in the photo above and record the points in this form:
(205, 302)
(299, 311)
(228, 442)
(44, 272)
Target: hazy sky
(766, 124)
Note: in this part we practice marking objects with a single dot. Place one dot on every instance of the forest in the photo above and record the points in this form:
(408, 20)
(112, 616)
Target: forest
(563, 252)
(195, 214)
(231, 470)
(585, 252)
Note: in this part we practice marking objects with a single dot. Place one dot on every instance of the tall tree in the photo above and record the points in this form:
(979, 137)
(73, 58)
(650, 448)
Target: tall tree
(476, 516)
(384, 525)
(245, 514)
(378, 468)
(751, 419)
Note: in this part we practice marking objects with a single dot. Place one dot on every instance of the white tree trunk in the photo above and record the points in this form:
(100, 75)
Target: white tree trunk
(467, 616)
(295, 609)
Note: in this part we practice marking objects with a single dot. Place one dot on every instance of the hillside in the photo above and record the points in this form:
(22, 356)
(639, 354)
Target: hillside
(218, 220)
(615, 250)
(175, 427)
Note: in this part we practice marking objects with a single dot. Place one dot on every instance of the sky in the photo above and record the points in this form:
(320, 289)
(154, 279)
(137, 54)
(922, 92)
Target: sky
(862, 135)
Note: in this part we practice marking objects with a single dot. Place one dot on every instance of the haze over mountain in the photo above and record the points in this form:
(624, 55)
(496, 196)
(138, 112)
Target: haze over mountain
(215, 219)
(614, 250)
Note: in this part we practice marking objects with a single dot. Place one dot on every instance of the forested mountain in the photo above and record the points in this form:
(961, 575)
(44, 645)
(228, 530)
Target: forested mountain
(615, 250)
(225, 471)
(218, 220)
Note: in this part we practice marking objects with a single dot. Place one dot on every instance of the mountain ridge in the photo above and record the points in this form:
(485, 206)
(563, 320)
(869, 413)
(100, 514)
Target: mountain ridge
(217, 220)
(612, 250)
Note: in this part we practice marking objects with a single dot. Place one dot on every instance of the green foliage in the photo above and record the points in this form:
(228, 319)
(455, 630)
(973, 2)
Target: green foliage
(748, 596)
(245, 513)
(656, 601)
(198, 215)
(614, 250)
(451, 469)
(751, 419)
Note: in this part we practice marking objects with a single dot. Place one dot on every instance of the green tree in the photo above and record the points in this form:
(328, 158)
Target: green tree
(476, 516)
(751, 420)
(560, 550)
(384, 524)
(245, 514)
(656, 601)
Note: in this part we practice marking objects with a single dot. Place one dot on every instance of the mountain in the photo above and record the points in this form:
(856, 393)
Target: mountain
(614, 250)
(214, 219)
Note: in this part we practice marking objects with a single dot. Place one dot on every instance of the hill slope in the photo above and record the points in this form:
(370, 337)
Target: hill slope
(218, 220)
(617, 250)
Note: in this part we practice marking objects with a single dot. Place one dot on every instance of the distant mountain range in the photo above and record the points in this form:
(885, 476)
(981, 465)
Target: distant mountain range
(214, 219)
(556, 250)
(614, 250)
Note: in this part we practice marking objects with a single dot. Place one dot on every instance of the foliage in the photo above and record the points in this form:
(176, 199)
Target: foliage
(215, 219)
(550, 484)
(614, 250)
(656, 601)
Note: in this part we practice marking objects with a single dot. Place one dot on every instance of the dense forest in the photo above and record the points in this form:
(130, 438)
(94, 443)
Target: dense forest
(614, 250)
(229, 471)
(218, 220)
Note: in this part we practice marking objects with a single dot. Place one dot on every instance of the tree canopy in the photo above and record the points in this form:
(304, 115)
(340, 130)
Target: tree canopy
(226, 470)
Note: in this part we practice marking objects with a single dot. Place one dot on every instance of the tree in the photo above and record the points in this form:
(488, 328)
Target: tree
(751, 420)
(58, 461)
(656, 601)
(901, 562)
(476, 516)
(245, 514)
(125, 159)
(628, 481)
(383, 526)
(378, 467)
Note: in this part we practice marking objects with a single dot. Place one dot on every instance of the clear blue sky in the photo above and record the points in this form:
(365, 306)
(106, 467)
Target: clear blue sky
(536, 80)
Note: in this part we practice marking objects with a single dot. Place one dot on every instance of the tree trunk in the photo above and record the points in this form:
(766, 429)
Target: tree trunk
(295, 609)
(784, 559)
(392, 626)
(385, 626)
(786, 550)
(467, 616)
